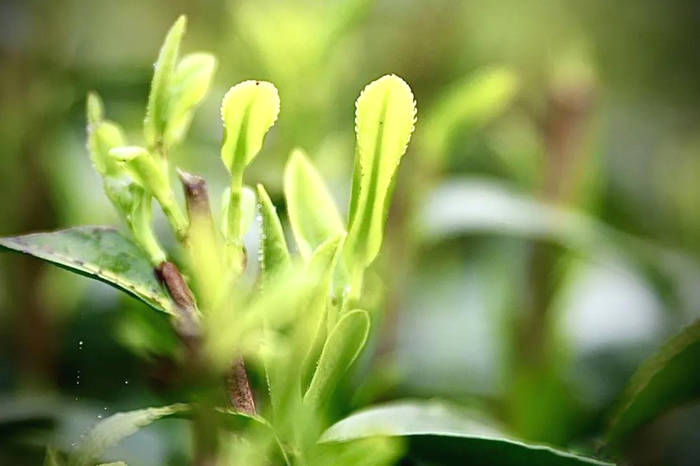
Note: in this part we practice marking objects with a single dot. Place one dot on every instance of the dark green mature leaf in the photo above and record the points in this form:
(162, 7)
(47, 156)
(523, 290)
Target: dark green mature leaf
(97, 252)
(442, 433)
(115, 428)
(342, 346)
(312, 212)
(667, 379)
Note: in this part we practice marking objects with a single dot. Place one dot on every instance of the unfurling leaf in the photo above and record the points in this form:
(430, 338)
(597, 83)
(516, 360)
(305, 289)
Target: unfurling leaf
(312, 212)
(115, 428)
(384, 120)
(342, 346)
(102, 136)
(156, 120)
(275, 258)
(97, 252)
(248, 111)
(152, 174)
(190, 84)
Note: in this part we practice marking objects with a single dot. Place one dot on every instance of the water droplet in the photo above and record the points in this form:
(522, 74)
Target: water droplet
(105, 408)
(99, 416)
(126, 382)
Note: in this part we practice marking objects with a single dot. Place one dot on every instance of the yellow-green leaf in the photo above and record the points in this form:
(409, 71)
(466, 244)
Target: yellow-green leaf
(312, 212)
(248, 111)
(190, 84)
(102, 136)
(155, 122)
(384, 120)
(342, 347)
(274, 255)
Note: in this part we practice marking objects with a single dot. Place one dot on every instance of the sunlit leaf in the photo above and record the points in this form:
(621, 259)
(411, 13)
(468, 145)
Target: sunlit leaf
(313, 215)
(248, 111)
(444, 434)
(274, 253)
(190, 84)
(156, 119)
(666, 380)
(384, 120)
(97, 252)
(342, 346)
(115, 428)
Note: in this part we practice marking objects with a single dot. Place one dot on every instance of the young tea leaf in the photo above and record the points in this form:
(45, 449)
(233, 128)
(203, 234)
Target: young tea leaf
(248, 111)
(115, 428)
(190, 84)
(312, 212)
(443, 434)
(384, 120)
(320, 270)
(97, 252)
(274, 253)
(102, 136)
(156, 119)
(342, 346)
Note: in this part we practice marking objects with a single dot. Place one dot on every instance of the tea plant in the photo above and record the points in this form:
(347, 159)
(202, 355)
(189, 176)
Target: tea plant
(303, 321)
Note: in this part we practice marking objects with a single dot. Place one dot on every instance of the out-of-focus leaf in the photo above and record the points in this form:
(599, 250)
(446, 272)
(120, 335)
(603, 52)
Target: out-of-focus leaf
(102, 137)
(444, 434)
(156, 120)
(116, 463)
(320, 270)
(190, 84)
(115, 428)
(668, 379)
(342, 346)
(274, 253)
(474, 205)
(471, 103)
(97, 252)
(248, 111)
(376, 451)
(312, 212)
(384, 120)
(52, 458)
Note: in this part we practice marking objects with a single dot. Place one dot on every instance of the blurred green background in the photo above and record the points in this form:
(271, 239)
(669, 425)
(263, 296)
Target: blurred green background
(545, 233)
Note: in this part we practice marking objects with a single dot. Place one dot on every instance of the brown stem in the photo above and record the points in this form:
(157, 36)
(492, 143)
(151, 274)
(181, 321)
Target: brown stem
(204, 248)
(239, 388)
